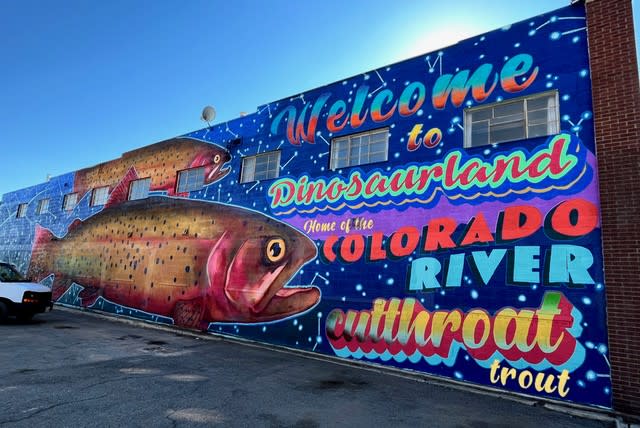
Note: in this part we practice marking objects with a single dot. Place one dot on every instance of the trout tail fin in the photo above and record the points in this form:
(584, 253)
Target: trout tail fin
(41, 254)
(43, 237)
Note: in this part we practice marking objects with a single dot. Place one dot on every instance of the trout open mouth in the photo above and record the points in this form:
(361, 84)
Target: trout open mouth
(217, 173)
(276, 300)
(256, 288)
(292, 300)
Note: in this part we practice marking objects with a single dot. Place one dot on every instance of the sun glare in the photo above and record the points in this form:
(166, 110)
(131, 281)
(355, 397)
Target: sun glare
(435, 39)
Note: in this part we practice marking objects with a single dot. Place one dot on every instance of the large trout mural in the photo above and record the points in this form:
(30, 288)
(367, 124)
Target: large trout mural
(197, 262)
(439, 215)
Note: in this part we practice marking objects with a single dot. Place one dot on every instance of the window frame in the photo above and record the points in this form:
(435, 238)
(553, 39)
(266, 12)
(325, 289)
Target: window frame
(132, 183)
(186, 171)
(525, 99)
(95, 203)
(245, 159)
(21, 211)
(44, 202)
(65, 199)
(349, 138)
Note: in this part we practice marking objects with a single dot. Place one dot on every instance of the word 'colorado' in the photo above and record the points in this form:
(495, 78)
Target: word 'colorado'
(570, 219)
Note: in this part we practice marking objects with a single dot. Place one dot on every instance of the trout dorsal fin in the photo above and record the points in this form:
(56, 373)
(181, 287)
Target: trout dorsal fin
(120, 192)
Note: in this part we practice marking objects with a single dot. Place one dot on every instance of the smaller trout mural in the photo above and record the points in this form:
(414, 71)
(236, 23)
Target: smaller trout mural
(161, 162)
(197, 262)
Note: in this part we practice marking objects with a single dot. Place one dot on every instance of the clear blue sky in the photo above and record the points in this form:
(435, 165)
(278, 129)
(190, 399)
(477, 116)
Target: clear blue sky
(83, 81)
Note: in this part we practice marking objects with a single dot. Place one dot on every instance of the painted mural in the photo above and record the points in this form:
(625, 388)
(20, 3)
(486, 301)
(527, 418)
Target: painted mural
(196, 262)
(480, 264)
(159, 162)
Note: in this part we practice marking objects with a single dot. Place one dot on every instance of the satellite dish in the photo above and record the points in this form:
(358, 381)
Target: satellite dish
(208, 114)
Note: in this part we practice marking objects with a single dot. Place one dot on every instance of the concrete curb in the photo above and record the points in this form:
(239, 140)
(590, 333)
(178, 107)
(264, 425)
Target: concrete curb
(576, 410)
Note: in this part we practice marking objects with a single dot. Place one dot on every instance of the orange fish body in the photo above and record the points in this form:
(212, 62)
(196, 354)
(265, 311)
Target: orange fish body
(195, 261)
(160, 162)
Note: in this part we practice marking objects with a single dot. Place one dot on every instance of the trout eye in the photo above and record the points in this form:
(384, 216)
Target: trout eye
(275, 250)
(216, 159)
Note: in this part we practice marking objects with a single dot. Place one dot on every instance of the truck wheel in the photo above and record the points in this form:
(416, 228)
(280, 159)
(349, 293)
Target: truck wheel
(4, 312)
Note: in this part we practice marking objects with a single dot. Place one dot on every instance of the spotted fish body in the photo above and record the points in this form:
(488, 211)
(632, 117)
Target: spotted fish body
(195, 261)
(160, 162)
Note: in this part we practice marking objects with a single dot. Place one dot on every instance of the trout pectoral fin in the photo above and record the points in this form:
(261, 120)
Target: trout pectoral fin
(188, 313)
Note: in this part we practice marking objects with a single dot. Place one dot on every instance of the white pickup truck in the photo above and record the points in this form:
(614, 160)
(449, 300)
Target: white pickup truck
(20, 297)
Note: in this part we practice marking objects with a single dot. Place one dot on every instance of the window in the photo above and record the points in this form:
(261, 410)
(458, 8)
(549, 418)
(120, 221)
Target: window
(99, 196)
(69, 202)
(260, 167)
(22, 211)
(190, 179)
(43, 206)
(527, 117)
(139, 189)
(360, 149)
(9, 273)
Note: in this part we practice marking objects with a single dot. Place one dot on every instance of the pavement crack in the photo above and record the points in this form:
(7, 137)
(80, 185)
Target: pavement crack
(53, 406)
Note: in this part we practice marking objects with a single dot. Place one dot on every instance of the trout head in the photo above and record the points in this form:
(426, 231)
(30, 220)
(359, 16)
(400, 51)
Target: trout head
(248, 269)
(212, 158)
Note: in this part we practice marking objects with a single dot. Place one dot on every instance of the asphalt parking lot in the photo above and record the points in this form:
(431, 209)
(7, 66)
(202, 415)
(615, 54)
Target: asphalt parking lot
(68, 368)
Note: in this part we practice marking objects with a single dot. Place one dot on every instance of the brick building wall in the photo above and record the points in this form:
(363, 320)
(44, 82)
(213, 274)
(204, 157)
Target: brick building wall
(616, 102)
